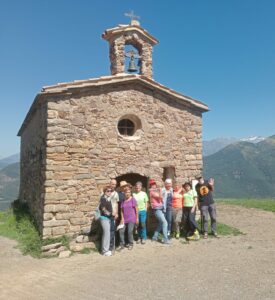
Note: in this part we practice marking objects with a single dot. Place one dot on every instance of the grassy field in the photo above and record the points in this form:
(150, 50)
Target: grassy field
(264, 204)
(17, 224)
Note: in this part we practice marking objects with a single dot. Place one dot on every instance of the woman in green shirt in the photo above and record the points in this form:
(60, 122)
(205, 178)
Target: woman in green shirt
(190, 205)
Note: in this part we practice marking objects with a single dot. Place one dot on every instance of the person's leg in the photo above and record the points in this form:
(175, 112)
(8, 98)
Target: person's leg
(105, 242)
(178, 221)
(169, 219)
(204, 211)
(213, 217)
(164, 225)
(130, 233)
(185, 220)
(142, 225)
(192, 222)
(122, 236)
(112, 233)
(157, 213)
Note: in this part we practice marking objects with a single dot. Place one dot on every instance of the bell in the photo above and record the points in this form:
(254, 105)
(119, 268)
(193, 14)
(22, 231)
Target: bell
(132, 66)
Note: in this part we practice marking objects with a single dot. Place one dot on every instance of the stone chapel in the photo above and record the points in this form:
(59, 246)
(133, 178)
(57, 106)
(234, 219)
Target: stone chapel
(78, 135)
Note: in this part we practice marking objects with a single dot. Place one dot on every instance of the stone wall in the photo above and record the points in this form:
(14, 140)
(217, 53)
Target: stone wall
(32, 163)
(85, 150)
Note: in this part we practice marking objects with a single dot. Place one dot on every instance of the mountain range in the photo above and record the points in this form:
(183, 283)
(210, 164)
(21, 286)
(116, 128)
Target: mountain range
(212, 146)
(243, 169)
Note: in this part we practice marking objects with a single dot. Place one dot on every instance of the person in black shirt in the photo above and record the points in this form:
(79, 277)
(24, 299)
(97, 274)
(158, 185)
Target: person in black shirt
(207, 205)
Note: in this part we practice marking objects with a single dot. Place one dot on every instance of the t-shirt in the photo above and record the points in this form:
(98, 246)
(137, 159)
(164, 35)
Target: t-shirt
(189, 198)
(114, 199)
(142, 200)
(177, 201)
(205, 193)
(156, 199)
(128, 208)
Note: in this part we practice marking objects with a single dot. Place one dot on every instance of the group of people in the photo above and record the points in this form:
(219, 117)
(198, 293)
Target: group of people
(174, 207)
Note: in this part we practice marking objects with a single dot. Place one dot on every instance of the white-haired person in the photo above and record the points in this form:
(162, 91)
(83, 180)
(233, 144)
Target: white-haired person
(142, 203)
(167, 196)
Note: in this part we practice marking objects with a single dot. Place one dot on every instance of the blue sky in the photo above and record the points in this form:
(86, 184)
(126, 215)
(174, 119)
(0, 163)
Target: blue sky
(221, 52)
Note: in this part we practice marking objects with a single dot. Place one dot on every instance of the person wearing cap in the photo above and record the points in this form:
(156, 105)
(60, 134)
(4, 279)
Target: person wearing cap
(122, 185)
(106, 211)
(157, 207)
(207, 205)
(142, 202)
(167, 196)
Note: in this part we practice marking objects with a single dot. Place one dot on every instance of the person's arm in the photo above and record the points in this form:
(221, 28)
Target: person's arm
(146, 201)
(211, 183)
(122, 217)
(137, 220)
(195, 204)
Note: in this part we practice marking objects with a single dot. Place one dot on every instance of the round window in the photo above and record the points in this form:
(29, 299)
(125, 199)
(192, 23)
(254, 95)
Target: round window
(126, 127)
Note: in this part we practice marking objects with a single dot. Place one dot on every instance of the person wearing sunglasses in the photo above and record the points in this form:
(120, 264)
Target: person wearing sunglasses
(106, 211)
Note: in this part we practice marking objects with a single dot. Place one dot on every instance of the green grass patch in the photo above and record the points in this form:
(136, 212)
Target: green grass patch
(263, 204)
(223, 229)
(18, 224)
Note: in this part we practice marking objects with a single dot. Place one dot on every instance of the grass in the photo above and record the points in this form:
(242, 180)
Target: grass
(223, 229)
(17, 224)
(263, 204)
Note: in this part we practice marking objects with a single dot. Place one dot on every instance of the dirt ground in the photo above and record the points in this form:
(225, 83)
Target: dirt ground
(241, 267)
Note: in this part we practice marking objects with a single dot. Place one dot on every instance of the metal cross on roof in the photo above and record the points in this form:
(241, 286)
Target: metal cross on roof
(131, 15)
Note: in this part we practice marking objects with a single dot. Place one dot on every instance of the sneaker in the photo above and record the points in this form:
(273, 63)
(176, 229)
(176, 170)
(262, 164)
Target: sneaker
(108, 253)
(193, 237)
(154, 240)
(120, 248)
(205, 235)
(215, 234)
(143, 242)
(166, 242)
(177, 235)
(138, 241)
(130, 247)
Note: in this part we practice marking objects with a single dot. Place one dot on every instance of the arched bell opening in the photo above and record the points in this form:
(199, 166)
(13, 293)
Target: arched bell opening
(132, 62)
(133, 178)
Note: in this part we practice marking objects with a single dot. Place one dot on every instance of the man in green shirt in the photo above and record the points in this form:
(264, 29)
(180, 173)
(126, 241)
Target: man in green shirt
(142, 203)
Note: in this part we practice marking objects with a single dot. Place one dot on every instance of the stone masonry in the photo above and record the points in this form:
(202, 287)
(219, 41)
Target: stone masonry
(71, 146)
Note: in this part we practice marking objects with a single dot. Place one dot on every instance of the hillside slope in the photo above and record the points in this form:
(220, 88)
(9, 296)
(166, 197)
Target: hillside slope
(9, 185)
(243, 169)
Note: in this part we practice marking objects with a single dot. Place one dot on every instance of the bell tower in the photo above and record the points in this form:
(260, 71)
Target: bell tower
(137, 37)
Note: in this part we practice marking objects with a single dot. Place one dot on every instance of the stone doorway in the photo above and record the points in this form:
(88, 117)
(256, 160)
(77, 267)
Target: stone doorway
(132, 178)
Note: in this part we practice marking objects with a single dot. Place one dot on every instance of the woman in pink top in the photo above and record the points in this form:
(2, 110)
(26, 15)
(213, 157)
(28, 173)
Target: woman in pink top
(157, 207)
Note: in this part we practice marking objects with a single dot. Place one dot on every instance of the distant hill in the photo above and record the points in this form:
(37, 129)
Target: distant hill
(212, 146)
(9, 160)
(243, 169)
(9, 185)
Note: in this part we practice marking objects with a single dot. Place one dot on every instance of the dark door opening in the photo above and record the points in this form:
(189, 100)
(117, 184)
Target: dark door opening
(132, 178)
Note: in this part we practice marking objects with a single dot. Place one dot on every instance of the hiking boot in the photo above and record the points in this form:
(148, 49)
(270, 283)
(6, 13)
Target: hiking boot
(143, 242)
(205, 235)
(130, 247)
(138, 241)
(177, 235)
